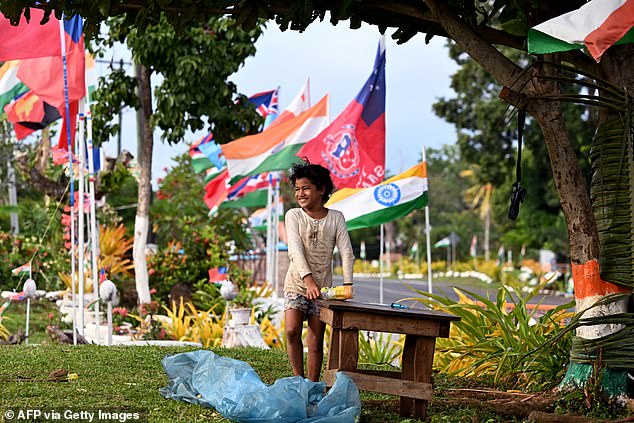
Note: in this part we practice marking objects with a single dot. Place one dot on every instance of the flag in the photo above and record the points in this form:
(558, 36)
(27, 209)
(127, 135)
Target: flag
(251, 191)
(29, 114)
(276, 147)
(597, 25)
(392, 199)
(25, 268)
(60, 156)
(213, 152)
(218, 274)
(414, 249)
(10, 86)
(266, 102)
(259, 218)
(474, 246)
(353, 146)
(298, 105)
(445, 242)
(200, 161)
(29, 39)
(45, 75)
(501, 255)
(73, 108)
(216, 191)
(92, 81)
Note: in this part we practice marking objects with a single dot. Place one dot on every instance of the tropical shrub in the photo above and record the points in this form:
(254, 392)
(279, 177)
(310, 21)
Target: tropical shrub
(503, 339)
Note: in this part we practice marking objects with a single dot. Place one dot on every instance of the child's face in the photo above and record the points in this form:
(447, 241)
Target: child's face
(307, 194)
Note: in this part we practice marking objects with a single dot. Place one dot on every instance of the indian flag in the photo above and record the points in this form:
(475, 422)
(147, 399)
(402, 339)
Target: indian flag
(597, 25)
(10, 86)
(25, 268)
(275, 148)
(392, 199)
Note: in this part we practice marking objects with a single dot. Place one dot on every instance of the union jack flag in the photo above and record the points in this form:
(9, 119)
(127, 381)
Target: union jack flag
(266, 102)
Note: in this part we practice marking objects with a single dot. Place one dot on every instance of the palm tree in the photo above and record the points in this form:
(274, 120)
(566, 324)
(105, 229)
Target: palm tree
(478, 196)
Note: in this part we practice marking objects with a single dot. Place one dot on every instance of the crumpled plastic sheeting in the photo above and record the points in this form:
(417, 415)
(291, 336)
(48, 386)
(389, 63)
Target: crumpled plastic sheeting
(234, 389)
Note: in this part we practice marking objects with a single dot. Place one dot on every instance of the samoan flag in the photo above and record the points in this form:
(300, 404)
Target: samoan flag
(353, 146)
(266, 102)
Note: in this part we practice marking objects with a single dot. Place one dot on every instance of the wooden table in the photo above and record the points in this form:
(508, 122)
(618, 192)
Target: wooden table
(421, 328)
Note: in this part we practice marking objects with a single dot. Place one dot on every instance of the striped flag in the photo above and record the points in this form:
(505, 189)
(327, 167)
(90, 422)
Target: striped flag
(392, 199)
(25, 268)
(597, 25)
(298, 105)
(200, 161)
(10, 86)
(275, 148)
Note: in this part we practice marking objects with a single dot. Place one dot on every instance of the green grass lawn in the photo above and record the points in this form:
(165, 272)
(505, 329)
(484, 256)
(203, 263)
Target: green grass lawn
(127, 379)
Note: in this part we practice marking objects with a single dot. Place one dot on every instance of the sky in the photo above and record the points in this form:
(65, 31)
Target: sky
(338, 60)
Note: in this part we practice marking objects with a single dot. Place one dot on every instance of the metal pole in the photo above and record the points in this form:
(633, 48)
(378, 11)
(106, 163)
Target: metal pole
(94, 231)
(81, 216)
(427, 231)
(13, 193)
(381, 267)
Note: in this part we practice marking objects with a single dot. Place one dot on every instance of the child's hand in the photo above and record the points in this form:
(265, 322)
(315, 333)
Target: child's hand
(312, 289)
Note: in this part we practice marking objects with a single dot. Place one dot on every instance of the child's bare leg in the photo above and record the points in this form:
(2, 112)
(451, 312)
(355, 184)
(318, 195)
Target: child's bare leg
(294, 322)
(315, 341)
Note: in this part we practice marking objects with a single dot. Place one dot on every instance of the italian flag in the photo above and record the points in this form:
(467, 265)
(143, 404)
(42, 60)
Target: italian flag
(275, 148)
(597, 25)
(390, 200)
(10, 86)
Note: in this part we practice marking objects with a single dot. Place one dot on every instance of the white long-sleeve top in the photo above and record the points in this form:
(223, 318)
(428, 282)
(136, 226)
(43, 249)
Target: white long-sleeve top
(310, 246)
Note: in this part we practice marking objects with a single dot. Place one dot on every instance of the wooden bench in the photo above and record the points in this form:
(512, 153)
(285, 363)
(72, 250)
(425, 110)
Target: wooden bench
(421, 328)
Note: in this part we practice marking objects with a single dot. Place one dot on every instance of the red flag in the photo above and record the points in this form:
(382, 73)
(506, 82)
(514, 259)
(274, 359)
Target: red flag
(353, 146)
(63, 136)
(45, 75)
(28, 40)
(29, 114)
(216, 190)
(218, 274)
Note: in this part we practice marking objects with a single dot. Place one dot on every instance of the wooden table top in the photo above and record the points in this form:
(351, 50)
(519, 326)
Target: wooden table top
(387, 310)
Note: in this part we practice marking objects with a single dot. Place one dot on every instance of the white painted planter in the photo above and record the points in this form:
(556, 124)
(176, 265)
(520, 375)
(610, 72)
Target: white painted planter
(240, 316)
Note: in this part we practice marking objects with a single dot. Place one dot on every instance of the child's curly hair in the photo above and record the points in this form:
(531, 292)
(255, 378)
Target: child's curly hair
(317, 174)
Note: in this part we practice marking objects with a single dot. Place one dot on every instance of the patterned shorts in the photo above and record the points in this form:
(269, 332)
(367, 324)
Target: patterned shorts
(299, 302)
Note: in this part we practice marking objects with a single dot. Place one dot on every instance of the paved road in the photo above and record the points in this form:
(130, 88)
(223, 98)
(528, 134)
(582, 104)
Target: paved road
(367, 290)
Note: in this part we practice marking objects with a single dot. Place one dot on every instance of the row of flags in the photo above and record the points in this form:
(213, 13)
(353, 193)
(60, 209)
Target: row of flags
(352, 147)
(32, 77)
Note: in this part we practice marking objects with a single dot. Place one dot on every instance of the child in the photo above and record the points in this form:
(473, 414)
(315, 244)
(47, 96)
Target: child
(313, 231)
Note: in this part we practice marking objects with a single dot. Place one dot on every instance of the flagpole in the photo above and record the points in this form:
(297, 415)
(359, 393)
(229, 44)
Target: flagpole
(269, 234)
(427, 231)
(80, 213)
(274, 227)
(381, 267)
(94, 232)
(70, 168)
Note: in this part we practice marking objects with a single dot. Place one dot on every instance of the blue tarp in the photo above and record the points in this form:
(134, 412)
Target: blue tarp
(234, 389)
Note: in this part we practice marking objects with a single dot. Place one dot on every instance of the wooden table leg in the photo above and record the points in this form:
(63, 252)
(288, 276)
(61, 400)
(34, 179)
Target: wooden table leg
(348, 349)
(333, 349)
(418, 357)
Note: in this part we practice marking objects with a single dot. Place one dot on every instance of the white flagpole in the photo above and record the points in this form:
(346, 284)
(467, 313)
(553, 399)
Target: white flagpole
(81, 216)
(269, 234)
(381, 267)
(427, 231)
(275, 227)
(94, 232)
(62, 40)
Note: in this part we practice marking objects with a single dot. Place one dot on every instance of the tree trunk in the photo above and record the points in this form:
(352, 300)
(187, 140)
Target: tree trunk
(573, 192)
(145, 188)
